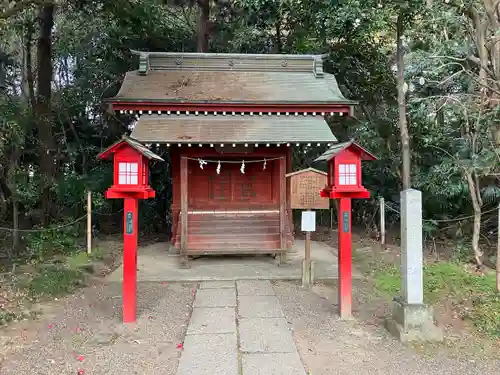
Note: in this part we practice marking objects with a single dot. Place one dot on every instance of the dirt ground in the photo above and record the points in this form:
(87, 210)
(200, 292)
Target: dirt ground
(83, 334)
(329, 346)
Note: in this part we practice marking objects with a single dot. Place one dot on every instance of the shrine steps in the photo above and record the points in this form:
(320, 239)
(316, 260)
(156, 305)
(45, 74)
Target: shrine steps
(232, 234)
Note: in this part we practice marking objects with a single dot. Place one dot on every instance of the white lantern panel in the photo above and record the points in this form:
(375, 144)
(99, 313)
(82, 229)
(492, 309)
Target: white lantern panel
(347, 174)
(128, 173)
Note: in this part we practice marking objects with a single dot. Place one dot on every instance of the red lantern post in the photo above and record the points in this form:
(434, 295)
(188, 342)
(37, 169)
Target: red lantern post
(130, 183)
(344, 184)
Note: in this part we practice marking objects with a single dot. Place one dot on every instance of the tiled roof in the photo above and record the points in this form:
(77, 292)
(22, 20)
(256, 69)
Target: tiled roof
(230, 78)
(232, 129)
(335, 149)
(132, 143)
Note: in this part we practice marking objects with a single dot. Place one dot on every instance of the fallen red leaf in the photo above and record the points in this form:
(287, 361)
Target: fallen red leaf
(80, 358)
(81, 372)
(49, 326)
(163, 282)
(179, 345)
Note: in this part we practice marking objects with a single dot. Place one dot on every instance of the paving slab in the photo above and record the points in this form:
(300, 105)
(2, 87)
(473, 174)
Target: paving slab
(259, 307)
(265, 335)
(217, 284)
(272, 364)
(209, 355)
(254, 288)
(212, 320)
(215, 298)
(154, 263)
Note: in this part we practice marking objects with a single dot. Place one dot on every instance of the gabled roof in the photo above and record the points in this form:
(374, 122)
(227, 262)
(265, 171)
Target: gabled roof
(306, 170)
(232, 129)
(136, 145)
(230, 78)
(335, 149)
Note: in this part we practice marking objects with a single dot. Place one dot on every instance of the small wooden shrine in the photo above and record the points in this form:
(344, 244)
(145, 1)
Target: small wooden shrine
(231, 122)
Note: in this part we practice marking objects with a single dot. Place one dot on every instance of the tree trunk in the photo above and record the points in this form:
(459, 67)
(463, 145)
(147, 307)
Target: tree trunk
(279, 44)
(476, 205)
(203, 25)
(48, 151)
(403, 126)
(15, 224)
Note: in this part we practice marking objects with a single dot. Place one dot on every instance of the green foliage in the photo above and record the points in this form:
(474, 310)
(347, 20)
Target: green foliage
(486, 314)
(451, 281)
(54, 281)
(91, 53)
(59, 238)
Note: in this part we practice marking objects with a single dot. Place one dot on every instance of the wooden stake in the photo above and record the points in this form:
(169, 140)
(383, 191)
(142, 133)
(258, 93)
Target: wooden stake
(306, 266)
(382, 221)
(89, 222)
(498, 251)
(331, 217)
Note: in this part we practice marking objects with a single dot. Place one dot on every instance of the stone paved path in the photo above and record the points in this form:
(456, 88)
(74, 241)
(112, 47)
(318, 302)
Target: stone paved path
(238, 329)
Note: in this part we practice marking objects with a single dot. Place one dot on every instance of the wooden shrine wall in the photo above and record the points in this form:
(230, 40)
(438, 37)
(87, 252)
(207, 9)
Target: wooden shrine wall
(257, 189)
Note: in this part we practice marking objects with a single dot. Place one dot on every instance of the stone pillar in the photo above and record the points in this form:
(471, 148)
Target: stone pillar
(411, 320)
(411, 247)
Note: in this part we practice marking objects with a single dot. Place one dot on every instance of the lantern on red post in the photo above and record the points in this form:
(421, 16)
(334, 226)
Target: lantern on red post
(130, 182)
(344, 183)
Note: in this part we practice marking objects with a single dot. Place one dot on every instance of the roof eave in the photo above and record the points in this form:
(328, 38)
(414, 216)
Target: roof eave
(238, 142)
(246, 102)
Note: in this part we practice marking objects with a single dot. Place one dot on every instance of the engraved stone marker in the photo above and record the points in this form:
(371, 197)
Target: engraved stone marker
(411, 246)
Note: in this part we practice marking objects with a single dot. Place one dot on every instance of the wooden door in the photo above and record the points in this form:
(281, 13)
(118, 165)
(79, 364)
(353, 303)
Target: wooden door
(231, 189)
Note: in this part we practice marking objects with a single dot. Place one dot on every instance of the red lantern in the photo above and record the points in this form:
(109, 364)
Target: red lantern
(130, 182)
(131, 173)
(344, 183)
(344, 171)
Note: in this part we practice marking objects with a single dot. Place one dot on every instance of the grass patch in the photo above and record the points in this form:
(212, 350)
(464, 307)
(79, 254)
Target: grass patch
(55, 281)
(63, 277)
(451, 280)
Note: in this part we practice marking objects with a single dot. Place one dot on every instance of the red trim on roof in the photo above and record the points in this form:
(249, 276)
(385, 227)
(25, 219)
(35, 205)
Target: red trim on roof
(108, 153)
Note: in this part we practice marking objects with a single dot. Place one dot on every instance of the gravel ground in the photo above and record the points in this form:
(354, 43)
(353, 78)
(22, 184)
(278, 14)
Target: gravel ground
(329, 346)
(83, 334)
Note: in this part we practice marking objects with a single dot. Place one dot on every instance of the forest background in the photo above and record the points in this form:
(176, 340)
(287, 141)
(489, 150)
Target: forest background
(59, 60)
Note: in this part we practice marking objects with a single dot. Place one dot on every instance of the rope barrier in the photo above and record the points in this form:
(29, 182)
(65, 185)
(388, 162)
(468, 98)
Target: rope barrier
(44, 229)
(40, 230)
(441, 220)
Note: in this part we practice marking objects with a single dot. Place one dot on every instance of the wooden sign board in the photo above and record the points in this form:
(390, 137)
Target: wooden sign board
(305, 186)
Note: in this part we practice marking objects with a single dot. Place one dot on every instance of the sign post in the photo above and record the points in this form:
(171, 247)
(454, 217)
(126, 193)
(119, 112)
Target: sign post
(305, 185)
(308, 225)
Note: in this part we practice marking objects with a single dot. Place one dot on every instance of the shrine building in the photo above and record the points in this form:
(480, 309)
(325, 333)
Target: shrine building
(230, 122)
